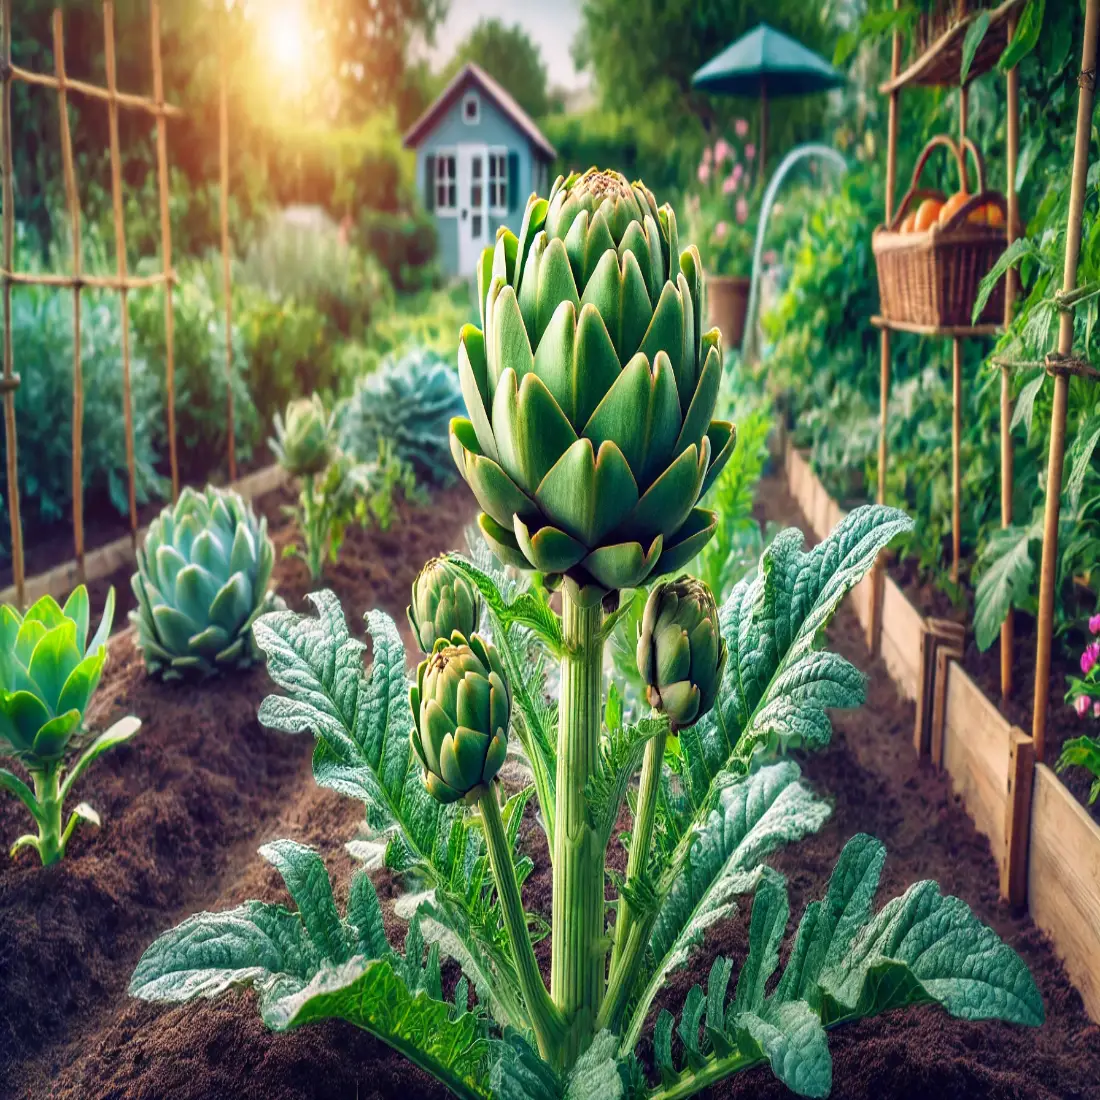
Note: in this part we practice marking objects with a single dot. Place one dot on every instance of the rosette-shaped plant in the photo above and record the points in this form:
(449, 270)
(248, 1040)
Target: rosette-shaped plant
(303, 440)
(49, 670)
(590, 390)
(443, 601)
(201, 583)
(681, 652)
(461, 705)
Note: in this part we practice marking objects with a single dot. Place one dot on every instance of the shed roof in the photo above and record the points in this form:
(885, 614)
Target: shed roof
(470, 73)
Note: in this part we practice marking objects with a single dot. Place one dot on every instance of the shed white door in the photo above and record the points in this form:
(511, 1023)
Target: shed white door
(473, 205)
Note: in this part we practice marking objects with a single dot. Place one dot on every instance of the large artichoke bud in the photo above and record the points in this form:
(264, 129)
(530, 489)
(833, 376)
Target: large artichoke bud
(443, 601)
(590, 390)
(461, 705)
(49, 669)
(201, 583)
(303, 438)
(681, 652)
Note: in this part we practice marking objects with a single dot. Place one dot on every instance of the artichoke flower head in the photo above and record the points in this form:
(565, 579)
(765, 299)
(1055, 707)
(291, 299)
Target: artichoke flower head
(461, 704)
(590, 390)
(681, 652)
(443, 601)
(303, 440)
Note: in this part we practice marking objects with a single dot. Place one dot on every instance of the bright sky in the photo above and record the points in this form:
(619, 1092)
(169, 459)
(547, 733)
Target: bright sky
(551, 23)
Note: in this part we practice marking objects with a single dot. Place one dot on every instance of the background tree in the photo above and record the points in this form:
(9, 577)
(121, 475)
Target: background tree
(509, 56)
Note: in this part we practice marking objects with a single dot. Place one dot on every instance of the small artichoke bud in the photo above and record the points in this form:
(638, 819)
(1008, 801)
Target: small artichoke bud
(443, 601)
(303, 438)
(681, 652)
(461, 705)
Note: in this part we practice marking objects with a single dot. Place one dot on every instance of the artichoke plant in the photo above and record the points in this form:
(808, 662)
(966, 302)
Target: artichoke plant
(590, 389)
(681, 653)
(49, 670)
(303, 440)
(461, 705)
(202, 581)
(443, 601)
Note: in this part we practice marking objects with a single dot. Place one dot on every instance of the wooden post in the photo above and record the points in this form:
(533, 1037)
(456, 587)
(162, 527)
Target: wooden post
(1045, 625)
(1021, 774)
(166, 248)
(73, 201)
(1012, 147)
(10, 381)
(120, 250)
(227, 284)
(874, 618)
(956, 457)
(936, 635)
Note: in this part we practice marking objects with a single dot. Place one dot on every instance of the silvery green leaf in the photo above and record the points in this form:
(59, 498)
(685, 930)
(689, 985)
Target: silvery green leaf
(791, 1038)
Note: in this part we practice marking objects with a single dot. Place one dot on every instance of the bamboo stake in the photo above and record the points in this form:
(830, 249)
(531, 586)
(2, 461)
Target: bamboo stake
(956, 382)
(1087, 84)
(956, 457)
(86, 282)
(10, 380)
(73, 201)
(1012, 143)
(120, 251)
(166, 249)
(227, 286)
(874, 618)
(123, 99)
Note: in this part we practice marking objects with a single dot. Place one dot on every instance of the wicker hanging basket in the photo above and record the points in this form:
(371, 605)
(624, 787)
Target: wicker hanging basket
(931, 278)
(939, 19)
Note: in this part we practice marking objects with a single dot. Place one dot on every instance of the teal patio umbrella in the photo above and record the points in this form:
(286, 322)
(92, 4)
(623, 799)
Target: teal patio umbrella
(767, 63)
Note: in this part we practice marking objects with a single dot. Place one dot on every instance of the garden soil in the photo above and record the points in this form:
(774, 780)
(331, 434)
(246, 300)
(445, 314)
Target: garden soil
(985, 669)
(188, 802)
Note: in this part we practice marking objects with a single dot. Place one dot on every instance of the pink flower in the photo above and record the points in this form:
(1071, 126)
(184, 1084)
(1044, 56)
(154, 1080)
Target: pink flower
(722, 151)
(1096, 709)
(706, 154)
(1090, 657)
(741, 128)
(1081, 705)
(750, 151)
(1094, 624)
(742, 211)
(729, 185)
(721, 231)
(737, 172)
(704, 171)
(770, 257)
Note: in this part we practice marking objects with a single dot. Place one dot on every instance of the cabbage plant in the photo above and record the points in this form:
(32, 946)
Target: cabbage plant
(590, 390)
(49, 670)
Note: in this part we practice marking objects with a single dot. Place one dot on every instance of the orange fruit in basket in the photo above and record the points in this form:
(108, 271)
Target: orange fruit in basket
(953, 206)
(908, 222)
(994, 215)
(927, 213)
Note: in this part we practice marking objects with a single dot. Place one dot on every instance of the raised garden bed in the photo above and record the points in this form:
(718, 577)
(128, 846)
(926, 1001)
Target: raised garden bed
(1046, 846)
(189, 801)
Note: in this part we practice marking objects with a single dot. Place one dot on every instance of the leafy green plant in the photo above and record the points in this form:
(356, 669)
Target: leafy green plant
(49, 670)
(408, 403)
(1084, 694)
(735, 687)
(201, 582)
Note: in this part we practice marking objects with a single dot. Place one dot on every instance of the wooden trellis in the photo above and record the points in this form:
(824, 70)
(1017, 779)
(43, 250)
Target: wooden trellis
(122, 282)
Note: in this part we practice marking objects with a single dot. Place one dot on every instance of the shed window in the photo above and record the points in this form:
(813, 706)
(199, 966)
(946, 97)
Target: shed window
(471, 109)
(446, 182)
(498, 180)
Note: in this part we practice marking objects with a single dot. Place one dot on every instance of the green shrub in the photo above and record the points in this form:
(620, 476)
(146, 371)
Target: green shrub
(199, 326)
(404, 244)
(303, 256)
(42, 339)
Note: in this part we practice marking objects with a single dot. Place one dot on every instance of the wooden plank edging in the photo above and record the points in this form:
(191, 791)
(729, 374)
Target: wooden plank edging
(61, 579)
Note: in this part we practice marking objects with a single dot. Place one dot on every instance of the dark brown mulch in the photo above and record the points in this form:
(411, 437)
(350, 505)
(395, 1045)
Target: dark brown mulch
(985, 669)
(213, 1051)
(184, 806)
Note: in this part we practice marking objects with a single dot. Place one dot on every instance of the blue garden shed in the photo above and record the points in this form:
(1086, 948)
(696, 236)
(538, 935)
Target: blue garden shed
(478, 156)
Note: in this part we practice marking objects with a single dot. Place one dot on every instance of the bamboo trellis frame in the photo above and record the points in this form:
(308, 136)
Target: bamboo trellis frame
(1045, 626)
(122, 282)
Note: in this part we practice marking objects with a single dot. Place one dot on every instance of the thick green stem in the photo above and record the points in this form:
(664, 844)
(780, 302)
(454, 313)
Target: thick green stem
(692, 1081)
(312, 530)
(640, 838)
(577, 971)
(623, 976)
(545, 1018)
(47, 790)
